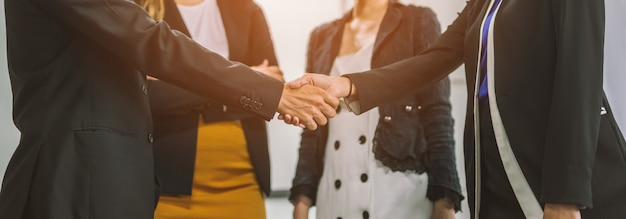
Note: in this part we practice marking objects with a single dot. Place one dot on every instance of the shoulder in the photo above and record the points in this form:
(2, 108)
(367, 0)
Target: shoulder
(415, 11)
(326, 29)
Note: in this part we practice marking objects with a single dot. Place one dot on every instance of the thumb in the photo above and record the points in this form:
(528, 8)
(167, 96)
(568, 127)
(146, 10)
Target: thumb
(265, 63)
(295, 84)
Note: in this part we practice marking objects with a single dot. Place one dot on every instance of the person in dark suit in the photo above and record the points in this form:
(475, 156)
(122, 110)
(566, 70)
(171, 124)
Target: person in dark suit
(540, 137)
(80, 103)
(221, 164)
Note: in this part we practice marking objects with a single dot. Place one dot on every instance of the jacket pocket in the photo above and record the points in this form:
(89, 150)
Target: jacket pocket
(119, 171)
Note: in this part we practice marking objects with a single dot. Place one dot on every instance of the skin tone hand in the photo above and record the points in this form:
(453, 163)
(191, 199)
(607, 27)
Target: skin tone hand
(272, 71)
(301, 207)
(312, 105)
(443, 209)
(336, 86)
(561, 211)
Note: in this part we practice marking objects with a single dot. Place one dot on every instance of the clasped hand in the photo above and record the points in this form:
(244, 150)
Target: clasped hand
(311, 99)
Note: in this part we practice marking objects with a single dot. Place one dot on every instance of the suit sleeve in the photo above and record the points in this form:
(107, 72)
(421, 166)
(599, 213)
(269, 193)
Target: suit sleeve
(574, 119)
(126, 30)
(382, 85)
(310, 165)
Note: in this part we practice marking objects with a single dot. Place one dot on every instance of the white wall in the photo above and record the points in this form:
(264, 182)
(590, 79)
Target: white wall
(9, 136)
(615, 59)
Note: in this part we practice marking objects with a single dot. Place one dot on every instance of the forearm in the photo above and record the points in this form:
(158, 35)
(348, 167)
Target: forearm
(127, 31)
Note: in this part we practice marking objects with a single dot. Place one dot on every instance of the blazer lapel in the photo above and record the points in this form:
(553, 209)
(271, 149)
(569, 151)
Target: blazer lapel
(237, 28)
(387, 26)
(335, 43)
(173, 17)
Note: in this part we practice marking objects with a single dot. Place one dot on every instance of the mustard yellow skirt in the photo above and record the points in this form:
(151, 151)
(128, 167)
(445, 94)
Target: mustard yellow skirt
(224, 184)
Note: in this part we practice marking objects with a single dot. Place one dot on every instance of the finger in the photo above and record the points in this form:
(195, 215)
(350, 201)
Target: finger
(330, 100)
(281, 117)
(288, 119)
(310, 123)
(328, 111)
(320, 117)
(296, 121)
(295, 84)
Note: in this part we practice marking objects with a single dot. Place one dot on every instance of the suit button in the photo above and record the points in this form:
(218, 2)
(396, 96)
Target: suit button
(366, 215)
(150, 138)
(362, 139)
(337, 145)
(419, 107)
(408, 108)
(387, 119)
(144, 89)
(364, 177)
(337, 184)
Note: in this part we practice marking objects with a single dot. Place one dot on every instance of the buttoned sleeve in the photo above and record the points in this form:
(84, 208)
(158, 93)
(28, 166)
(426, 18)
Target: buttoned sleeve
(123, 28)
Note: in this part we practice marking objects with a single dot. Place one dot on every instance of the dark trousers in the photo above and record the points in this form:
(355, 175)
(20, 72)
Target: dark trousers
(497, 198)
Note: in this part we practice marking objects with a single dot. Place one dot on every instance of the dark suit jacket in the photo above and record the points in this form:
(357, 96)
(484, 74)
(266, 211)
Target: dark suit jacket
(548, 78)
(420, 135)
(175, 111)
(80, 104)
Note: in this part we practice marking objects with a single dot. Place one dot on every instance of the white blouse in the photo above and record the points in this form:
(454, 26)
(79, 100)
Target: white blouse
(354, 184)
(204, 22)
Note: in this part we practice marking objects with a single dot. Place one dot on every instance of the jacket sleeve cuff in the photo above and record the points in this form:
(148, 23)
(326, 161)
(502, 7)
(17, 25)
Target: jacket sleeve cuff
(306, 190)
(435, 193)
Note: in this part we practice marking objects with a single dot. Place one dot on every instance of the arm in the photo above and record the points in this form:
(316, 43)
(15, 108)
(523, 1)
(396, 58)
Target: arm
(126, 30)
(574, 119)
(167, 99)
(438, 126)
(443, 180)
(391, 82)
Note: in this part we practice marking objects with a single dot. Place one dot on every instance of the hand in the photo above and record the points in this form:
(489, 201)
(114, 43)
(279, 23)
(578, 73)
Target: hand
(272, 71)
(301, 207)
(443, 209)
(150, 78)
(337, 86)
(310, 104)
(561, 211)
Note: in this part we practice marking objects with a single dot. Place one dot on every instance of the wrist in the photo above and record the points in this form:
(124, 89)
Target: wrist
(303, 201)
(347, 87)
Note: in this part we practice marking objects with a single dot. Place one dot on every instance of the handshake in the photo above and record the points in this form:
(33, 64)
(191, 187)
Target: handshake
(313, 98)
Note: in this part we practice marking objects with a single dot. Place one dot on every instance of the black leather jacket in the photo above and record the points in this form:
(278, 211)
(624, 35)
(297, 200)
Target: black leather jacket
(414, 133)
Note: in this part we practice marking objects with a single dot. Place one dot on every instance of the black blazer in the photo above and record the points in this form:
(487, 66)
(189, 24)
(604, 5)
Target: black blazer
(420, 135)
(175, 111)
(80, 104)
(548, 78)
